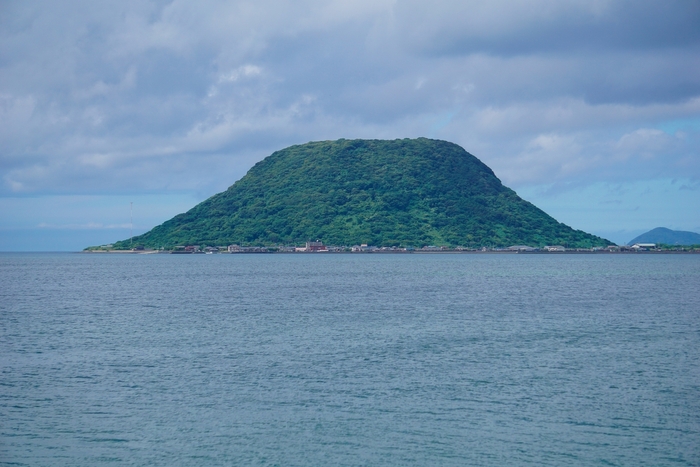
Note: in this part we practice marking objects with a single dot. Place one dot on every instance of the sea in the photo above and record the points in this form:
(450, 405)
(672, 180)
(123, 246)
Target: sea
(349, 359)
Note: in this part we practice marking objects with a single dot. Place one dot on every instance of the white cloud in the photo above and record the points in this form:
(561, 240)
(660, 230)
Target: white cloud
(645, 143)
(243, 71)
(101, 89)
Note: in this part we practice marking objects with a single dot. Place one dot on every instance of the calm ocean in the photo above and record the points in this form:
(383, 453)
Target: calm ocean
(330, 360)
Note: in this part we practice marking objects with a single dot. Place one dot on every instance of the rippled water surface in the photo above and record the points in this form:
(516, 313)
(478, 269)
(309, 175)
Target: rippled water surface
(314, 360)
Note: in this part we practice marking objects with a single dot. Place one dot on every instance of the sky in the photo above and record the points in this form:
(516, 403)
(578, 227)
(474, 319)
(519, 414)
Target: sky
(117, 115)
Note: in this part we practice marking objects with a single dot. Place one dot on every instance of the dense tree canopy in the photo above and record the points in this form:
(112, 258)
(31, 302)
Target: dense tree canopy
(407, 192)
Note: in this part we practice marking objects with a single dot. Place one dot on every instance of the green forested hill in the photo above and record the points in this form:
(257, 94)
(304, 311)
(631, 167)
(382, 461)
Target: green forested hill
(386, 193)
(666, 236)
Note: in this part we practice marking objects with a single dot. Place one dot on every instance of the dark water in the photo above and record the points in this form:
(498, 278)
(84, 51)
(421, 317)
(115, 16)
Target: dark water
(312, 360)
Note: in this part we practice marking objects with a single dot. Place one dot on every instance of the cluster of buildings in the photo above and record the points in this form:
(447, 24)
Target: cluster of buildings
(318, 247)
(611, 248)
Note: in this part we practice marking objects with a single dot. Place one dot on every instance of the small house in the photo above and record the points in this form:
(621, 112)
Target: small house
(315, 246)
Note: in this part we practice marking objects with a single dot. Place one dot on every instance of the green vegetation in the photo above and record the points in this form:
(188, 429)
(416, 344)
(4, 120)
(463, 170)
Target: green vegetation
(410, 192)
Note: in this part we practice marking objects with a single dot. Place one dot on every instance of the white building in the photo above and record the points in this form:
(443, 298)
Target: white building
(555, 248)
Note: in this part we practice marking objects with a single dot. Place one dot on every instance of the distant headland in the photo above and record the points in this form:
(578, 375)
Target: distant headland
(664, 236)
(408, 194)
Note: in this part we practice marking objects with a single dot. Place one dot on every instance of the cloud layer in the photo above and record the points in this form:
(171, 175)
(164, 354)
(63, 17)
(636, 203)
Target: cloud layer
(136, 97)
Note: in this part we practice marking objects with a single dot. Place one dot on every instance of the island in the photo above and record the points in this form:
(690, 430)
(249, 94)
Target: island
(405, 194)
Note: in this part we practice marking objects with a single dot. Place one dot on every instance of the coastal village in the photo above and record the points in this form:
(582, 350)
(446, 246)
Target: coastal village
(319, 247)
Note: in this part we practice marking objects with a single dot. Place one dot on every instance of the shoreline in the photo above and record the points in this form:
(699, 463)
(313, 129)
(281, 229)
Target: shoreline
(400, 252)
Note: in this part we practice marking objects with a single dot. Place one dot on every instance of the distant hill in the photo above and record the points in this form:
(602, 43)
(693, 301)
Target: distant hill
(406, 192)
(667, 236)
